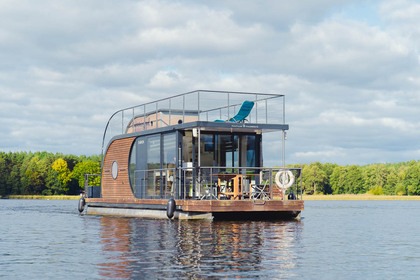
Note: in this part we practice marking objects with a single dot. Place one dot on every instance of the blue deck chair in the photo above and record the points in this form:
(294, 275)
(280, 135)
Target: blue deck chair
(243, 112)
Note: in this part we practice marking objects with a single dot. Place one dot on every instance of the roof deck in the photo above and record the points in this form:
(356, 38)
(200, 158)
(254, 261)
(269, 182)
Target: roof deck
(196, 106)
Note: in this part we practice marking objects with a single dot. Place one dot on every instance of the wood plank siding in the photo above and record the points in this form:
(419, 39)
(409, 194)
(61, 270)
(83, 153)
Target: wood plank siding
(118, 151)
(241, 205)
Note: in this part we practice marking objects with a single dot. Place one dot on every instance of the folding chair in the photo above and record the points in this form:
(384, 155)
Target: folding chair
(210, 192)
(261, 191)
(242, 114)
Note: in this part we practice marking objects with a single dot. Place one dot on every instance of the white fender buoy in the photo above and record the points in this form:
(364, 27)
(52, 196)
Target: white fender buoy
(285, 179)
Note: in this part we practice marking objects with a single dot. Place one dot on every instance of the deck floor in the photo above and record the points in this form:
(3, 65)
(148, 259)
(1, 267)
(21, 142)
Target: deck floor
(207, 205)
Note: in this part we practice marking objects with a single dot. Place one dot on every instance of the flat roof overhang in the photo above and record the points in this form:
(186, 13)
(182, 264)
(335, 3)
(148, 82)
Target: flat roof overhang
(238, 127)
(228, 127)
(217, 127)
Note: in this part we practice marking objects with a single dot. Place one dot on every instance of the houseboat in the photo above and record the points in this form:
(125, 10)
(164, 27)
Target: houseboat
(197, 155)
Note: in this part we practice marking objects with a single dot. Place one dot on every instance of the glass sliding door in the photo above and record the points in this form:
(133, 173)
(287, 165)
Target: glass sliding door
(152, 165)
(154, 177)
(230, 150)
(249, 145)
(138, 166)
(207, 145)
(168, 164)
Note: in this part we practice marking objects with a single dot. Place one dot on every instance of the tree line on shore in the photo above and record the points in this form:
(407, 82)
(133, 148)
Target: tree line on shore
(378, 179)
(44, 173)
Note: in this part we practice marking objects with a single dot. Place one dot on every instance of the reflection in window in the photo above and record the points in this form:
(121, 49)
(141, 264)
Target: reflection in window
(169, 150)
(207, 149)
(153, 165)
(153, 152)
(231, 150)
(227, 147)
(169, 164)
(187, 144)
(250, 150)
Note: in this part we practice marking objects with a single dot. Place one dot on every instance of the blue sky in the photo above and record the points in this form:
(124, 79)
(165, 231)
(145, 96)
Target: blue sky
(362, 11)
(349, 69)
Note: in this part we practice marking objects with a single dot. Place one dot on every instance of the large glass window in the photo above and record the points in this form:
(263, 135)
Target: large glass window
(153, 166)
(169, 164)
(133, 166)
(227, 147)
(207, 150)
(187, 147)
(137, 167)
(153, 158)
(153, 152)
(169, 150)
(250, 148)
(227, 150)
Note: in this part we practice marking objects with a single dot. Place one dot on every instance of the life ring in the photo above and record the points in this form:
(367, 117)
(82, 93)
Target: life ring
(285, 179)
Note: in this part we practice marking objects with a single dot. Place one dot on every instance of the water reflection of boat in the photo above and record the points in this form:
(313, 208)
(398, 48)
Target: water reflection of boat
(115, 238)
(197, 250)
(196, 155)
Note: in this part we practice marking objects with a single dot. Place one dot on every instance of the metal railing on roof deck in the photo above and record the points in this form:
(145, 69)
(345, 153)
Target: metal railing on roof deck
(200, 105)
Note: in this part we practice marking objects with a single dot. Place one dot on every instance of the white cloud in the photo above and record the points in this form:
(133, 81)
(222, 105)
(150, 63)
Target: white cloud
(328, 155)
(350, 70)
(165, 79)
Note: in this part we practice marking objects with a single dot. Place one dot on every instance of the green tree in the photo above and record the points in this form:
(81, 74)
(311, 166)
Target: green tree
(86, 167)
(354, 180)
(401, 188)
(314, 178)
(47, 173)
(3, 174)
(375, 176)
(338, 179)
(376, 190)
(391, 181)
(412, 178)
(14, 164)
(328, 168)
(57, 177)
(63, 174)
(34, 173)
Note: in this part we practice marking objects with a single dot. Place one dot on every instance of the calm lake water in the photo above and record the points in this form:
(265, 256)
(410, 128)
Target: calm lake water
(334, 240)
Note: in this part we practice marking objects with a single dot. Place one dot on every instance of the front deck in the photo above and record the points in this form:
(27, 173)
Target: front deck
(199, 209)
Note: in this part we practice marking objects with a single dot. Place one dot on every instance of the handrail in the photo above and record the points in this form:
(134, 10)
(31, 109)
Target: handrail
(199, 102)
(247, 183)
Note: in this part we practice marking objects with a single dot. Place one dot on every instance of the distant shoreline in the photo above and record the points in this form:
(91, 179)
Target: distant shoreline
(44, 197)
(360, 197)
(305, 197)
